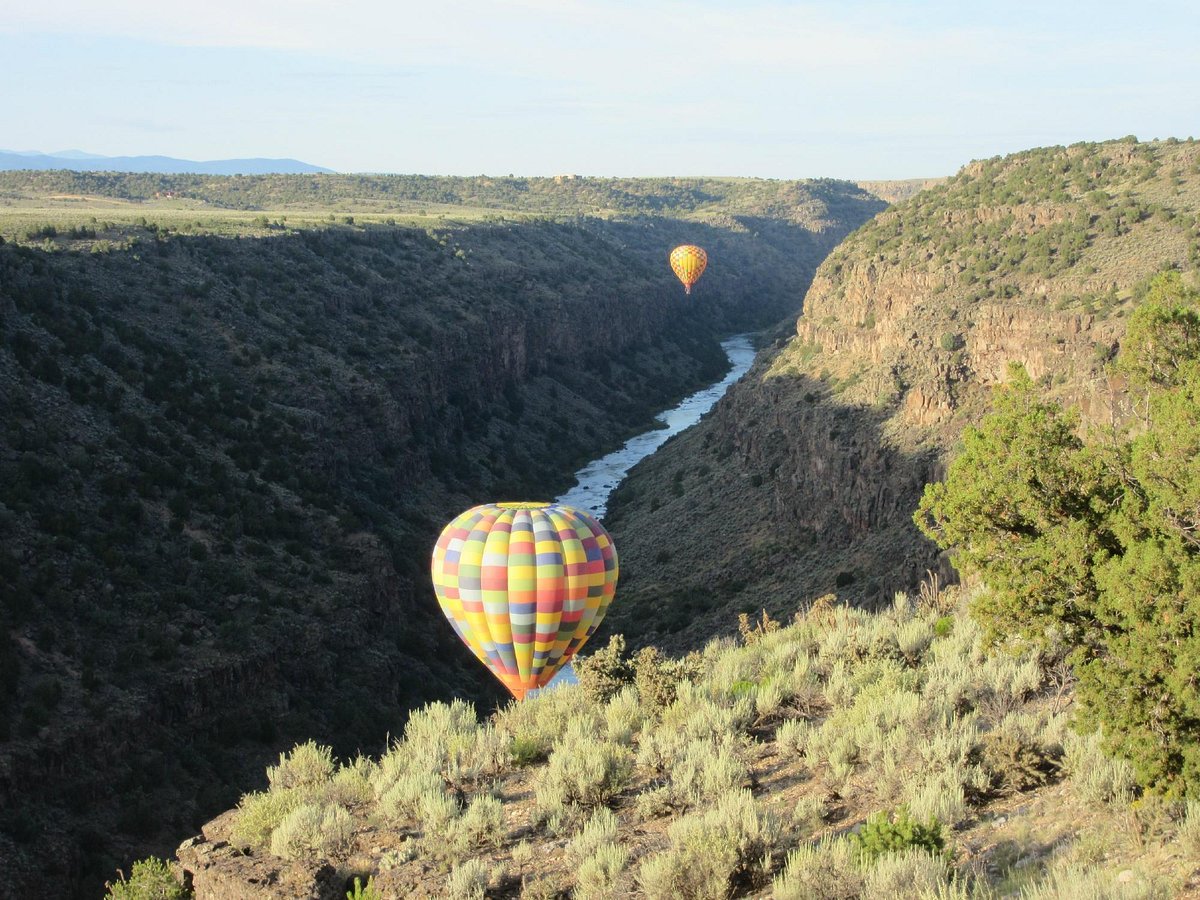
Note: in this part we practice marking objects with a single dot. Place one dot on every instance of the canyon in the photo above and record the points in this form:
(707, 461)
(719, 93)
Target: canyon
(804, 479)
(225, 458)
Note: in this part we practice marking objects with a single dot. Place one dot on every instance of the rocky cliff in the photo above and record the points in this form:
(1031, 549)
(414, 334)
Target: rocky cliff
(804, 478)
(224, 460)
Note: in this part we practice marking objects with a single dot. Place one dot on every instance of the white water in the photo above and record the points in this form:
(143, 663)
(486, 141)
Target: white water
(597, 480)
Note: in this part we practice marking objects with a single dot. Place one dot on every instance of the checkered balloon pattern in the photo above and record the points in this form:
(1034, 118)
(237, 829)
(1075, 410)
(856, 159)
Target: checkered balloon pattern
(689, 262)
(524, 585)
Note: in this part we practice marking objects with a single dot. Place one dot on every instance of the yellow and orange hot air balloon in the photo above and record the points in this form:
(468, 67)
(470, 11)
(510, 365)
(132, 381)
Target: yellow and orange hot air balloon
(524, 585)
(688, 262)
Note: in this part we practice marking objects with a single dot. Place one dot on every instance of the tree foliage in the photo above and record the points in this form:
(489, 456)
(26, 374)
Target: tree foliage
(883, 833)
(1094, 545)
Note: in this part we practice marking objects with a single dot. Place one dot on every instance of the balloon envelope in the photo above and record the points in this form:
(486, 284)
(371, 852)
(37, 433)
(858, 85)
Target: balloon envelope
(689, 262)
(524, 585)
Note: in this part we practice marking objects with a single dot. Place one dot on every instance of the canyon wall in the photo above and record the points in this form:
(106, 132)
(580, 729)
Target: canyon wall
(224, 461)
(804, 478)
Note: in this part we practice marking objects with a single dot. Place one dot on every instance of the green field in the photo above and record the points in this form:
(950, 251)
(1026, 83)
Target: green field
(64, 207)
(80, 221)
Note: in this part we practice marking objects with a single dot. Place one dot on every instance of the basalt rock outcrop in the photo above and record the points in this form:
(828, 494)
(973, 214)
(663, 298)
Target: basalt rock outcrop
(804, 478)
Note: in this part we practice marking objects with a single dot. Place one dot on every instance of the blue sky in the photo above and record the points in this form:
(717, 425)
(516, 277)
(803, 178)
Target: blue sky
(603, 87)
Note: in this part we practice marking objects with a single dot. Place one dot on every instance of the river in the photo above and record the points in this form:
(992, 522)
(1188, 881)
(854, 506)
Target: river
(596, 481)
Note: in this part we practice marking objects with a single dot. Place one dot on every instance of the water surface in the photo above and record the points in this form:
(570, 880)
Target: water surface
(596, 481)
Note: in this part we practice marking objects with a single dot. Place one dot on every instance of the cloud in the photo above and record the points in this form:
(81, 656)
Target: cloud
(530, 36)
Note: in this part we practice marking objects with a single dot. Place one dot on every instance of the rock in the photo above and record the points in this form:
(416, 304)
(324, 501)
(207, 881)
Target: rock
(221, 872)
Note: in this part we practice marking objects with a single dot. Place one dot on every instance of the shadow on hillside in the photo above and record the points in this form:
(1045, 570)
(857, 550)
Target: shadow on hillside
(783, 494)
(224, 462)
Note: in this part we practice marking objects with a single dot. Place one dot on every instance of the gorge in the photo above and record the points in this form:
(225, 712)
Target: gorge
(225, 457)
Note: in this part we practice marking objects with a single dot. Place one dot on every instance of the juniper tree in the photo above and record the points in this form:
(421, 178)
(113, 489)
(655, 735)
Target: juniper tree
(1095, 545)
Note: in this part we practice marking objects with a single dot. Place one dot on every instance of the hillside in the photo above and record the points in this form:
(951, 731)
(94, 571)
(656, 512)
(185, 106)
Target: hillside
(738, 772)
(814, 204)
(897, 191)
(804, 478)
(224, 460)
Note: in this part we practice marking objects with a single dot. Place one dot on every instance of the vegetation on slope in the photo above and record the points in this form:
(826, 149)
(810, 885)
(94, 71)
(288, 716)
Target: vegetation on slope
(849, 754)
(1093, 548)
(223, 462)
(846, 754)
(814, 203)
(808, 472)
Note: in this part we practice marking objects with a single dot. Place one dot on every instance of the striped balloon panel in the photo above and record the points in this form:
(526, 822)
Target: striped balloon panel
(524, 586)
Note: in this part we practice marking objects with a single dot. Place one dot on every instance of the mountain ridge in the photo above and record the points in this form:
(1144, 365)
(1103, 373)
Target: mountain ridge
(78, 160)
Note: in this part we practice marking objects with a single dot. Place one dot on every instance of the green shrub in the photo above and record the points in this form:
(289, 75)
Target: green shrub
(539, 886)
(938, 794)
(792, 736)
(1189, 828)
(401, 796)
(706, 770)
(623, 716)
(362, 891)
(259, 814)
(883, 833)
(599, 875)
(826, 870)
(312, 829)
(603, 673)
(1078, 883)
(534, 725)
(658, 678)
(352, 784)
(308, 764)
(913, 638)
(906, 873)
(446, 739)
(710, 851)
(1096, 776)
(525, 751)
(151, 879)
(743, 687)
(768, 701)
(1014, 763)
(808, 814)
(583, 772)
(468, 880)
(599, 830)
(436, 811)
(481, 824)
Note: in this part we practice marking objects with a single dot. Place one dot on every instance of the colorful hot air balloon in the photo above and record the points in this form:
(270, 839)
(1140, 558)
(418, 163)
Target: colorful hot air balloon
(688, 262)
(524, 585)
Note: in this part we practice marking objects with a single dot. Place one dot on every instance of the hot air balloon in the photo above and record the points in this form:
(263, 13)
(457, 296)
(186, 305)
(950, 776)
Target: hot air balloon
(524, 585)
(688, 262)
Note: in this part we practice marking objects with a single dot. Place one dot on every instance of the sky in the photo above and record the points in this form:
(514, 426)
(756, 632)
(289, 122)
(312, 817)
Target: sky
(766, 88)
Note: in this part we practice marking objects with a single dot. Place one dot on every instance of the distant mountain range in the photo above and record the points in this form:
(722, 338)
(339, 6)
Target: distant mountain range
(79, 161)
